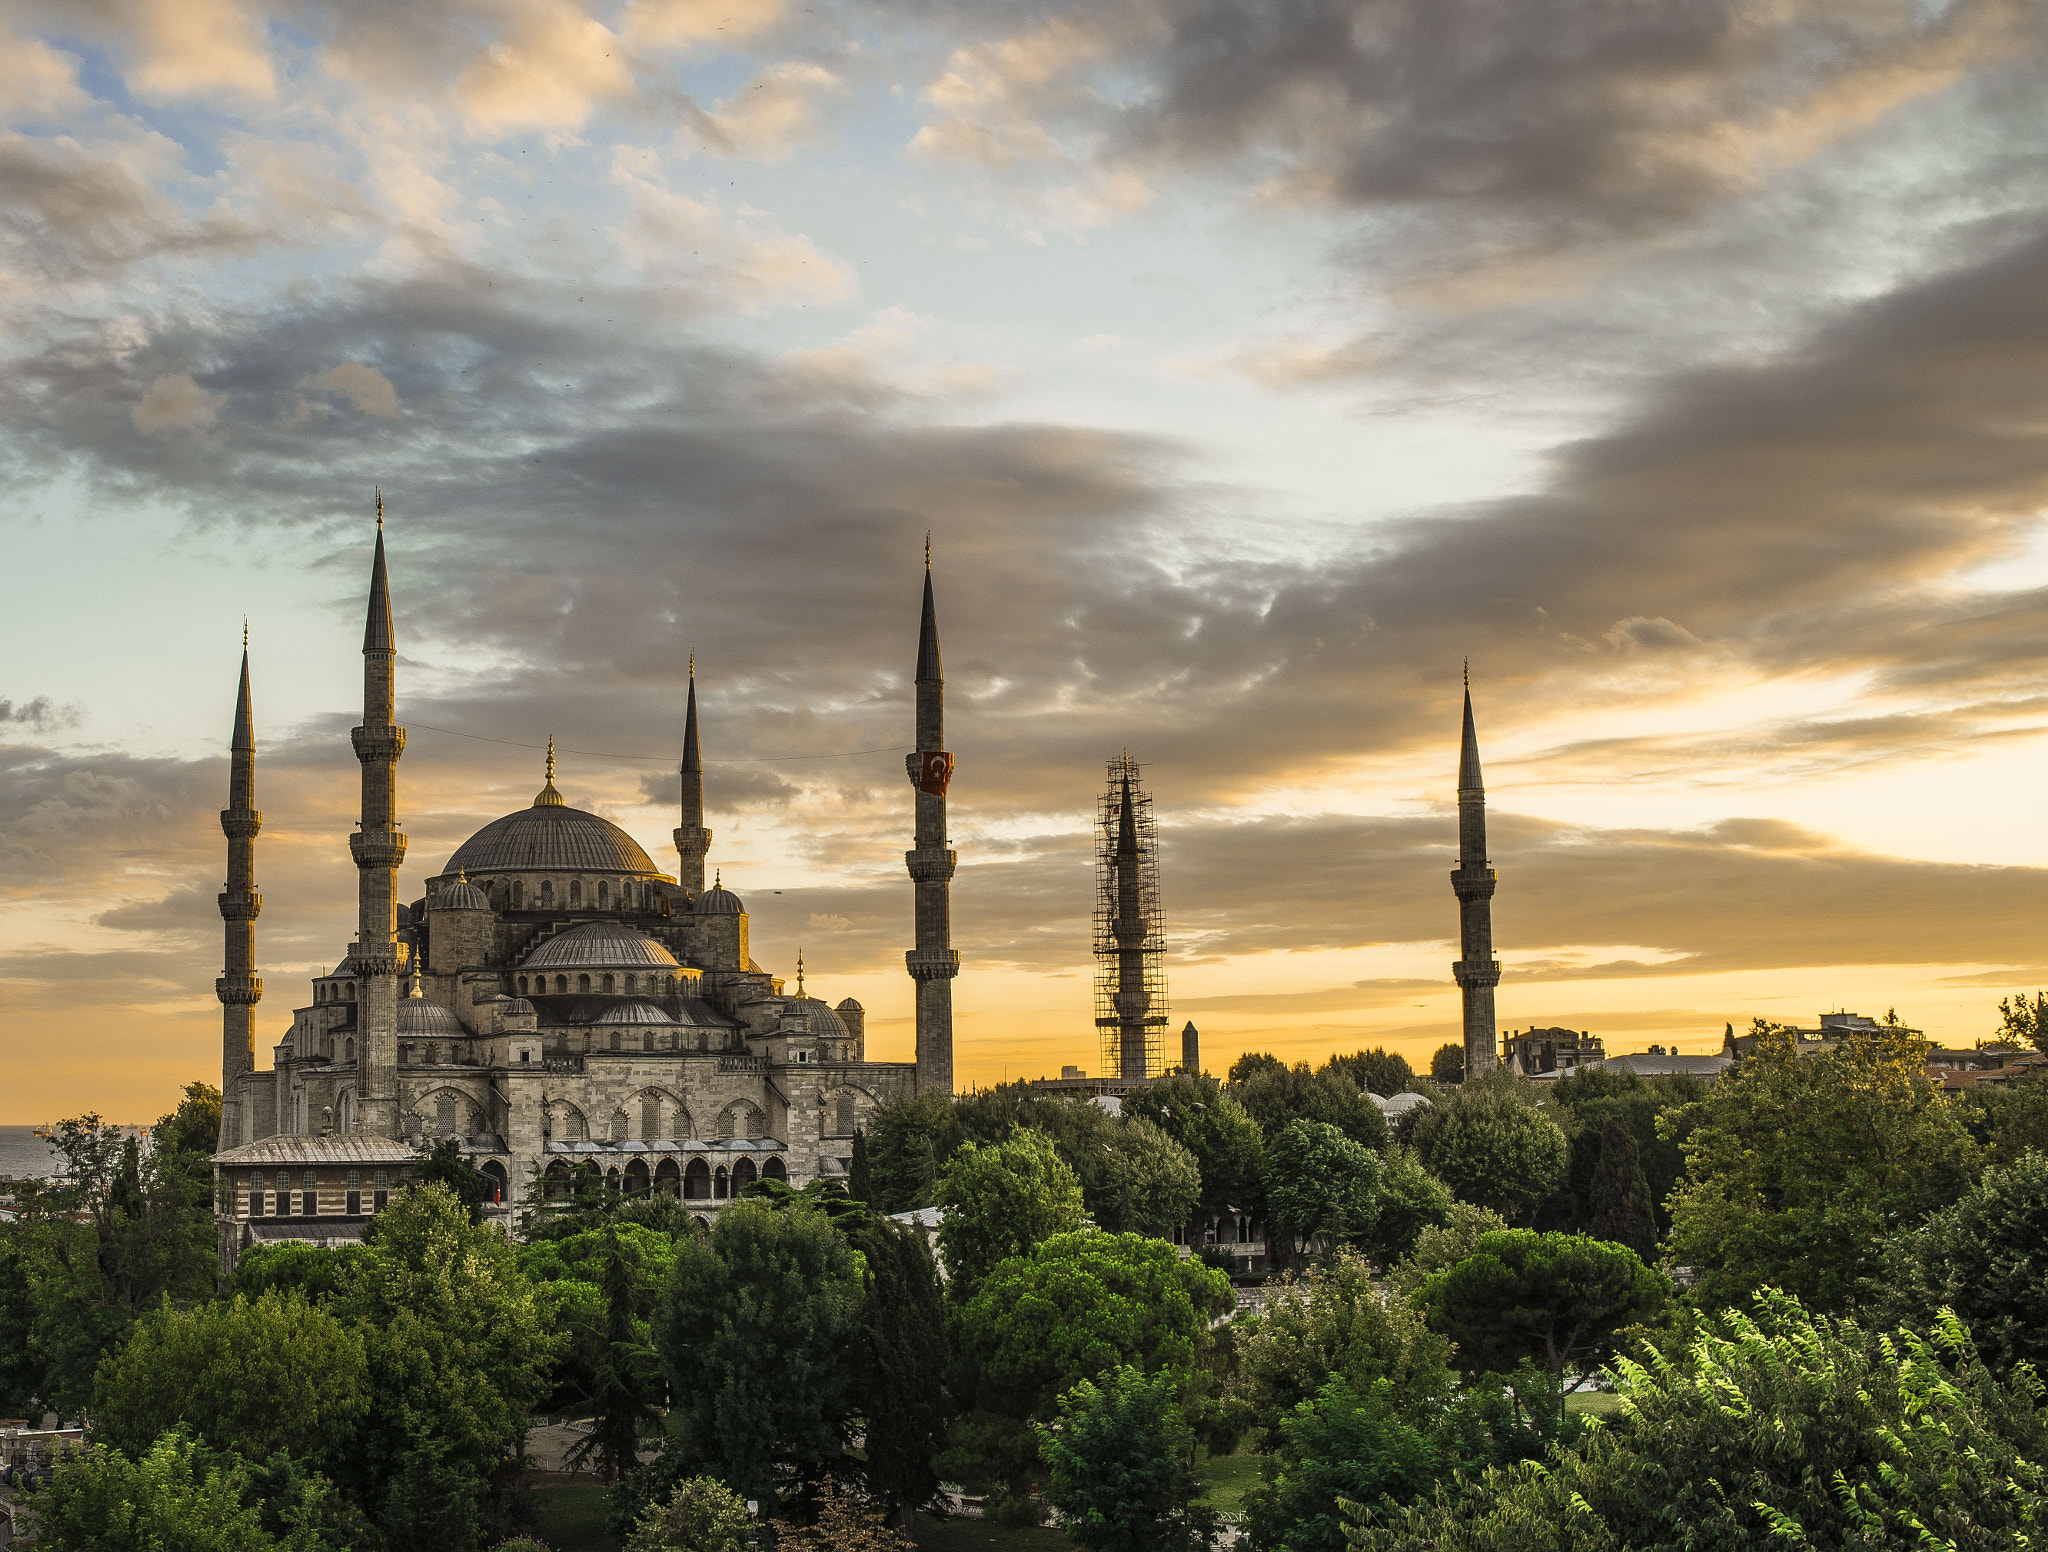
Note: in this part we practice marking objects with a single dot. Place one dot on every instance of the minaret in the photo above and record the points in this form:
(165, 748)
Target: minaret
(1130, 927)
(934, 962)
(379, 849)
(1477, 971)
(692, 839)
(239, 987)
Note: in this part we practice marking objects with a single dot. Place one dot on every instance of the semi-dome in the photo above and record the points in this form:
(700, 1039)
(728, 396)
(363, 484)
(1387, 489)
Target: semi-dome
(461, 895)
(717, 901)
(633, 1013)
(602, 945)
(513, 1007)
(422, 1017)
(551, 838)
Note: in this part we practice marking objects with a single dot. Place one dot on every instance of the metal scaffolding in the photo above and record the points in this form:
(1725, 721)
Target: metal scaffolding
(1130, 928)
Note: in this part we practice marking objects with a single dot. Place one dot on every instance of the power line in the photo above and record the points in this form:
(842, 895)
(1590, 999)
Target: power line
(663, 760)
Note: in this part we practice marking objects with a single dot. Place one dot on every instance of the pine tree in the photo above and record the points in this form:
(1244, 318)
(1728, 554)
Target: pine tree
(859, 1183)
(1622, 1211)
(902, 1365)
(624, 1384)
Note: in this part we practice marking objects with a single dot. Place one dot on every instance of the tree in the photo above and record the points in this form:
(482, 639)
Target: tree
(1378, 1071)
(1410, 1199)
(1000, 1201)
(457, 1350)
(758, 1333)
(1275, 1096)
(1491, 1145)
(1076, 1305)
(2011, 1116)
(292, 1266)
(257, 1377)
(1119, 1455)
(910, 1140)
(1227, 1145)
(860, 1180)
(1319, 1182)
(1443, 1247)
(701, 1515)
(2021, 1023)
(1348, 1444)
(901, 1378)
(1586, 1101)
(1149, 1183)
(1802, 1168)
(1620, 1194)
(843, 1524)
(1556, 1300)
(1252, 1063)
(171, 1499)
(1783, 1429)
(1986, 1257)
(1448, 1064)
(444, 1162)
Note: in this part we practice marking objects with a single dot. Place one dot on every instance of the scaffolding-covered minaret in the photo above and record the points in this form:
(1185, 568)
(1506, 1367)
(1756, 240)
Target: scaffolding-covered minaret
(1130, 929)
(239, 987)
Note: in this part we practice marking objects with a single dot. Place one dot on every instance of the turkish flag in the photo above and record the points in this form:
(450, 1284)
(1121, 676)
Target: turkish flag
(935, 769)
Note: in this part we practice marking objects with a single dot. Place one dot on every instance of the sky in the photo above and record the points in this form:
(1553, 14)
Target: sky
(1253, 365)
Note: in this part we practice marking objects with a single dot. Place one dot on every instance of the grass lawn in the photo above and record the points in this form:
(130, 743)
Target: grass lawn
(569, 1513)
(1225, 1478)
(1600, 1403)
(935, 1535)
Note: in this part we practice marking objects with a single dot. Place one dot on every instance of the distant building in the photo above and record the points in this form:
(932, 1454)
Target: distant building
(1541, 1052)
(1958, 1070)
(1835, 1029)
(1660, 1063)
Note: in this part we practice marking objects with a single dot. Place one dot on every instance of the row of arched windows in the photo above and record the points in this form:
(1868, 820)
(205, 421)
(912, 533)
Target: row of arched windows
(626, 896)
(647, 985)
(699, 1183)
(334, 991)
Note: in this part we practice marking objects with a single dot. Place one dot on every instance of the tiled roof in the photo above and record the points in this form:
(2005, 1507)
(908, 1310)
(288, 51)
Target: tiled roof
(341, 1148)
(552, 839)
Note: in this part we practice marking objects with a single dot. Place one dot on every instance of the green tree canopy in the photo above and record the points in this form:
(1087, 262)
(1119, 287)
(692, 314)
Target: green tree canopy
(1274, 1096)
(1001, 1199)
(292, 1266)
(1783, 1430)
(1410, 1199)
(1119, 1456)
(256, 1377)
(2021, 1022)
(1347, 1444)
(900, 1378)
(1252, 1063)
(702, 1514)
(1587, 1100)
(1986, 1257)
(1801, 1168)
(1148, 1183)
(1447, 1065)
(1489, 1143)
(1319, 1182)
(174, 1498)
(1620, 1195)
(1440, 1248)
(1378, 1071)
(910, 1140)
(1555, 1300)
(1227, 1145)
(759, 1334)
(2011, 1116)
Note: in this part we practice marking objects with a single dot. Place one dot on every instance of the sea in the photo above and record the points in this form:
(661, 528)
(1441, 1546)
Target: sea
(22, 1152)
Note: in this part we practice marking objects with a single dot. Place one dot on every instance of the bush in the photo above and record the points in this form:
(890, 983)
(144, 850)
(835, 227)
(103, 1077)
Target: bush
(699, 1515)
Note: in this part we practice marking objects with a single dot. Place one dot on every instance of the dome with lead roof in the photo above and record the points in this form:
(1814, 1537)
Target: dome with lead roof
(717, 901)
(824, 1020)
(601, 945)
(422, 1017)
(633, 1013)
(461, 895)
(551, 838)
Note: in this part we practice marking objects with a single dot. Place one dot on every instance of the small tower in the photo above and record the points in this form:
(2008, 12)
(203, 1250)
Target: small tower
(692, 839)
(379, 849)
(934, 962)
(1477, 971)
(1191, 1050)
(1130, 929)
(239, 987)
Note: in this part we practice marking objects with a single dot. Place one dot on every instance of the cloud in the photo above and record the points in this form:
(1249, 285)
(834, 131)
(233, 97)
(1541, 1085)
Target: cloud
(174, 402)
(42, 715)
(368, 389)
(684, 23)
(773, 116)
(183, 48)
(548, 67)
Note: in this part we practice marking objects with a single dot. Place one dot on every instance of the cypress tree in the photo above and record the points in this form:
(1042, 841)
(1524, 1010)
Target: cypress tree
(1622, 1211)
(859, 1184)
(902, 1366)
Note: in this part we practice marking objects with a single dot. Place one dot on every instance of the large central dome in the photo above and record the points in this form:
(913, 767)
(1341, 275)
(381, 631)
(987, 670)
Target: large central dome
(552, 838)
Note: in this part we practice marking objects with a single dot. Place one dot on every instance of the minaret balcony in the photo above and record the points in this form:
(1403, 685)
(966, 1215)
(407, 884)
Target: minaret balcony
(933, 865)
(1474, 883)
(240, 904)
(241, 824)
(242, 990)
(932, 964)
(377, 745)
(1485, 972)
(386, 850)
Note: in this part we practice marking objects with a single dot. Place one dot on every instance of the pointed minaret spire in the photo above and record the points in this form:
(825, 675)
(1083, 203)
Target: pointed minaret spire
(239, 987)
(934, 962)
(691, 838)
(1473, 881)
(379, 849)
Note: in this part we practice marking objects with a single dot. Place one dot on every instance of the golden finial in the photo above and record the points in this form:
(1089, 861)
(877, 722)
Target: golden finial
(1468, 673)
(245, 633)
(548, 797)
(718, 878)
(415, 992)
(799, 972)
(462, 875)
(927, 549)
(380, 510)
(693, 665)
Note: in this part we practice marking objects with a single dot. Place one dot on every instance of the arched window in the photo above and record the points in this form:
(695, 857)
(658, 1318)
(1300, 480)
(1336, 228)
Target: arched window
(319, 992)
(611, 1180)
(348, 991)
(445, 1115)
(742, 1176)
(355, 1193)
(602, 902)
(629, 982)
(626, 896)
(618, 1126)
(719, 1184)
(348, 1050)
(518, 894)
(650, 1117)
(697, 1181)
(842, 1116)
(495, 1173)
(583, 983)
(636, 1178)
(522, 986)
(607, 986)
(775, 1170)
(668, 1180)
(555, 1183)
(561, 984)
(679, 1125)
(547, 894)
(575, 891)
(647, 1040)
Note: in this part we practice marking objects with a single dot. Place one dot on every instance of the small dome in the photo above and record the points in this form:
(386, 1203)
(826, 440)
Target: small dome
(609, 945)
(717, 901)
(514, 1006)
(633, 1013)
(850, 1006)
(461, 895)
(823, 1020)
(420, 1016)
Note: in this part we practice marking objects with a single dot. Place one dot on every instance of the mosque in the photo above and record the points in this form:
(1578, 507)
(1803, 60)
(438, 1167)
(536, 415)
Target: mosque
(552, 1002)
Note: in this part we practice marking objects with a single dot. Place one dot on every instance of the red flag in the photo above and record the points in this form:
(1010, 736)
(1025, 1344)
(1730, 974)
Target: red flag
(935, 769)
